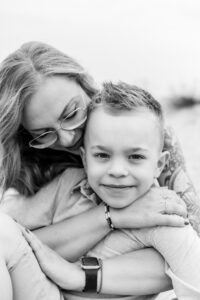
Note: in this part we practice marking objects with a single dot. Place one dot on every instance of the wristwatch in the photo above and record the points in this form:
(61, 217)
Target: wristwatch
(91, 266)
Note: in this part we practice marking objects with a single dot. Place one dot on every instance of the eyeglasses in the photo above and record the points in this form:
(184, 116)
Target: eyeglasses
(73, 120)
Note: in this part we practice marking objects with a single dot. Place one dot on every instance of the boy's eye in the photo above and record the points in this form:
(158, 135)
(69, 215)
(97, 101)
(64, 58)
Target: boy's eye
(101, 155)
(136, 157)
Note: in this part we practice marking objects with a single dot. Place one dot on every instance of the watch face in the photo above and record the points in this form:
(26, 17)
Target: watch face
(90, 263)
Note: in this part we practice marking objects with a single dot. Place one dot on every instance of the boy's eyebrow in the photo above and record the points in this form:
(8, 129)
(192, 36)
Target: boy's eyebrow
(100, 147)
(137, 149)
(61, 115)
(132, 149)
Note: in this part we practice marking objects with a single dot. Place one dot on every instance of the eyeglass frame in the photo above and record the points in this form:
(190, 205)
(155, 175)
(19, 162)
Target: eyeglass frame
(43, 145)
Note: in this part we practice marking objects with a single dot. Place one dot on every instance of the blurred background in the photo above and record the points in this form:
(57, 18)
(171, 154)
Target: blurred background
(152, 43)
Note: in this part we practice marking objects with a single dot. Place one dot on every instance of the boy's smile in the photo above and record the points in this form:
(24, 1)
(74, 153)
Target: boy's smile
(117, 191)
(122, 154)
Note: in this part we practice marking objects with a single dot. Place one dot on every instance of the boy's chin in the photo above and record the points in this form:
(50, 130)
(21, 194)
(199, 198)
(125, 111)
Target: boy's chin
(118, 203)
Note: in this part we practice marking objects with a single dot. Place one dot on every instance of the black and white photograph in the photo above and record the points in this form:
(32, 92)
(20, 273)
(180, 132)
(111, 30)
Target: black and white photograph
(100, 150)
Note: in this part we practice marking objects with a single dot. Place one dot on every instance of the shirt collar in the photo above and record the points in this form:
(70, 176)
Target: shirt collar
(85, 190)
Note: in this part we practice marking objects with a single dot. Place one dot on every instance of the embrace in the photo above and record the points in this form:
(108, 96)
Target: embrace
(95, 198)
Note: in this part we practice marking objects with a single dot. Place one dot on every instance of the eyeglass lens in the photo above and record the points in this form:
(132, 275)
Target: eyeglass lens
(73, 120)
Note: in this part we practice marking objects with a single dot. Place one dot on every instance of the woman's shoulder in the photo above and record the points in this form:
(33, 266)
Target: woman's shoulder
(8, 193)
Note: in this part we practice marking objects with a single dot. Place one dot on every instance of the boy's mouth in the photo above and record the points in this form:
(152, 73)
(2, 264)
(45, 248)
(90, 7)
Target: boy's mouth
(117, 186)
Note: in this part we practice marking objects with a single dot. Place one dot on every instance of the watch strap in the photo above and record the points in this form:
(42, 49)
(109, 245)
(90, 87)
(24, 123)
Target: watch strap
(91, 266)
(90, 280)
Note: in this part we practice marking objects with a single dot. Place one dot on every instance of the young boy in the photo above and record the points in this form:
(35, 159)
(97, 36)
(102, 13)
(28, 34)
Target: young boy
(123, 157)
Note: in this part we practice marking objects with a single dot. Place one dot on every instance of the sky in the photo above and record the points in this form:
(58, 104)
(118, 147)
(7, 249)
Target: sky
(152, 43)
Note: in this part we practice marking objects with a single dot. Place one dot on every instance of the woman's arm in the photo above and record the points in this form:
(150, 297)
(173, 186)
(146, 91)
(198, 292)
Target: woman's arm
(74, 236)
(176, 160)
(176, 178)
(137, 273)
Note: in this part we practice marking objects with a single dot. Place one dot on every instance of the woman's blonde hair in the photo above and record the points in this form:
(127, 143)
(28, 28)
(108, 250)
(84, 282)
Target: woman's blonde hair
(21, 167)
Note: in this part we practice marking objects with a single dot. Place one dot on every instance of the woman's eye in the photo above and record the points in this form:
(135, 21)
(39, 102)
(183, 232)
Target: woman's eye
(70, 115)
(44, 135)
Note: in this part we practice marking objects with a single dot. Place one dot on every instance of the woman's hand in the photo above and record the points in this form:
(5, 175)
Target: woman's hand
(158, 207)
(65, 274)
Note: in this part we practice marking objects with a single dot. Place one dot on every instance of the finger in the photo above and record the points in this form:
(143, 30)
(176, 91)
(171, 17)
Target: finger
(33, 241)
(170, 220)
(19, 225)
(181, 202)
(177, 209)
(171, 195)
(176, 199)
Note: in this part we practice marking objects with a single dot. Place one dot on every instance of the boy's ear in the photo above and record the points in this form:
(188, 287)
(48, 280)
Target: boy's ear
(83, 157)
(164, 157)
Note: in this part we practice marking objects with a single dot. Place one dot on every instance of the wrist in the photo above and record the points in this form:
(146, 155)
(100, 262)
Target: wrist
(108, 217)
(124, 218)
(73, 278)
(102, 219)
(79, 278)
(116, 217)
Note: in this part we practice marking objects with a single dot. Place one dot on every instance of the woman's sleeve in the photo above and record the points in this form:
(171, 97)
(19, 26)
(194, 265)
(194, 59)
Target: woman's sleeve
(49, 205)
(32, 212)
(135, 273)
(176, 178)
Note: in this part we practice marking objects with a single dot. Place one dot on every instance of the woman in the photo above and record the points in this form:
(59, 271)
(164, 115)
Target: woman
(43, 100)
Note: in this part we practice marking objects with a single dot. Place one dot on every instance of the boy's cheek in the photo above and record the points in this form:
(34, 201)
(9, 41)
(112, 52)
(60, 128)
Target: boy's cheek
(94, 167)
(94, 173)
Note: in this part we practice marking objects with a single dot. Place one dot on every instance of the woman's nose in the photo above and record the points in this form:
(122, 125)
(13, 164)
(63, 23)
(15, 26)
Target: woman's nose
(66, 138)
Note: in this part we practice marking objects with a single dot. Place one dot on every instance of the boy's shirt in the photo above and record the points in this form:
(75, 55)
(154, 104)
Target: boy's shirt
(69, 195)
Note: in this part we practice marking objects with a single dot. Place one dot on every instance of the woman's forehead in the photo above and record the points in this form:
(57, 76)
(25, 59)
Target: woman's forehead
(54, 95)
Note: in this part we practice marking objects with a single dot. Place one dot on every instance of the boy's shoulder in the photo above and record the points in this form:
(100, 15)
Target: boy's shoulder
(72, 176)
(74, 182)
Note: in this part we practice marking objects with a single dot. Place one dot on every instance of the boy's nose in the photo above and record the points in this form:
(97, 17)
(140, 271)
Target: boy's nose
(117, 170)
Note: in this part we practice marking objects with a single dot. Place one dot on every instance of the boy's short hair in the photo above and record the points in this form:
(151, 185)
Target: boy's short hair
(120, 97)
